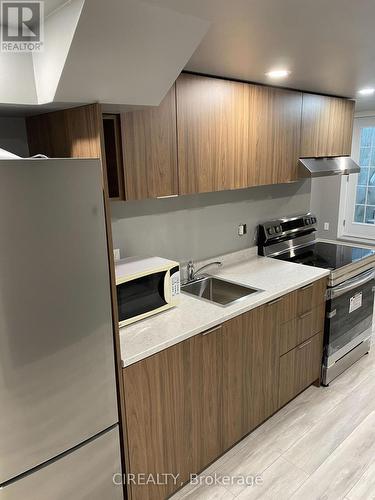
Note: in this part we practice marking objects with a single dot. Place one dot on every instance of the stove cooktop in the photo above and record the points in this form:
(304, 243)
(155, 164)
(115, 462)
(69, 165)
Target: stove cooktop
(326, 255)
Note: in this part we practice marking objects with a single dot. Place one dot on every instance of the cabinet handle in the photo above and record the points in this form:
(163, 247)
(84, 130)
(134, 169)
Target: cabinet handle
(303, 316)
(305, 344)
(212, 330)
(275, 301)
(307, 286)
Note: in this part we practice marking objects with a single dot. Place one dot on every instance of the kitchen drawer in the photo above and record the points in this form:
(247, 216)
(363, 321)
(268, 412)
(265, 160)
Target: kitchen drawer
(295, 304)
(311, 296)
(299, 368)
(284, 308)
(301, 328)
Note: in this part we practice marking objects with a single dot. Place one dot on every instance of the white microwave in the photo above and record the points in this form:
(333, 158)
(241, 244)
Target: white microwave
(145, 286)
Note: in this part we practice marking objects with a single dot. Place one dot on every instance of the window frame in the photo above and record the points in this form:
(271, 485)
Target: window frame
(347, 229)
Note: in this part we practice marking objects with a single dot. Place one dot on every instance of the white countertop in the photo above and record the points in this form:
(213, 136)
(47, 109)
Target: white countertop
(193, 315)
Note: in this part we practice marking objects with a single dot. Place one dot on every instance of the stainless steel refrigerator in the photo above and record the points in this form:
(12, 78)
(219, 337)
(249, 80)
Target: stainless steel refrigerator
(59, 436)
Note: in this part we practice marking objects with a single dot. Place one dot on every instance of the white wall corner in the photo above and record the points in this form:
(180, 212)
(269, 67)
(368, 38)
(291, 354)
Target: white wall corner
(127, 52)
(59, 29)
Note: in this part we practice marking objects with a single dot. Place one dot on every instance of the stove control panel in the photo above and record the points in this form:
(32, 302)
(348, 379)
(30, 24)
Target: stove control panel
(285, 228)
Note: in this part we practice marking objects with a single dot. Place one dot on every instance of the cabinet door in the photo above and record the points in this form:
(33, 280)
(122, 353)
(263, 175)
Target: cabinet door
(173, 412)
(250, 371)
(327, 126)
(212, 131)
(265, 360)
(207, 393)
(274, 135)
(158, 422)
(150, 150)
(70, 133)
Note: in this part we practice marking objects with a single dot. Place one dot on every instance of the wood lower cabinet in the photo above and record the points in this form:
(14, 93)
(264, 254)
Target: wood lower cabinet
(250, 372)
(188, 404)
(299, 368)
(327, 126)
(173, 408)
(150, 150)
(301, 328)
(207, 392)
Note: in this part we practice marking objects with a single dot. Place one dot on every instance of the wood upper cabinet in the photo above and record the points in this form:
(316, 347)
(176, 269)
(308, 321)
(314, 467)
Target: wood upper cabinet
(80, 132)
(150, 150)
(327, 126)
(274, 135)
(212, 131)
(234, 135)
(70, 133)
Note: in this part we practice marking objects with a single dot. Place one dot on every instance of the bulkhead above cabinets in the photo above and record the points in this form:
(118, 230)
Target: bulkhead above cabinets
(208, 134)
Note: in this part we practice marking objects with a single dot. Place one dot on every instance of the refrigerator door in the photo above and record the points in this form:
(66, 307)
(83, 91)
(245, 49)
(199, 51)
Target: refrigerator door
(87, 473)
(57, 375)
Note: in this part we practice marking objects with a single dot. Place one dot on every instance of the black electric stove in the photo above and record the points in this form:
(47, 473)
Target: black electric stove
(326, 255)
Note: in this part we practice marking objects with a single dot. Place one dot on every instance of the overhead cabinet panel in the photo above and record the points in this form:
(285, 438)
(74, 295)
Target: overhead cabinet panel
(327, 126)
(235, 135)
(150, 150)
(212, 132)
(274, 135)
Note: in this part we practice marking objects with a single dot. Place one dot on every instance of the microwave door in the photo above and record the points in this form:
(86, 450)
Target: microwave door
(140, 296)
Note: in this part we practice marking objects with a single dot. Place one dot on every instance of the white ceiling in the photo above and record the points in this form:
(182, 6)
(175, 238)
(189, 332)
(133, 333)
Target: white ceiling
(117, 52)
(328, 45)
(130, 51)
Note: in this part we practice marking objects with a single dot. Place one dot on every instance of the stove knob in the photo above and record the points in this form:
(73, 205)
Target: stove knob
(278, 229)
(270, 231)
(307, 222)
(313, 220)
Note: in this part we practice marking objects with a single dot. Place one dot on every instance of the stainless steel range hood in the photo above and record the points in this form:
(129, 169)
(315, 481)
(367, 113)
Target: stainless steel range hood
(320, 167)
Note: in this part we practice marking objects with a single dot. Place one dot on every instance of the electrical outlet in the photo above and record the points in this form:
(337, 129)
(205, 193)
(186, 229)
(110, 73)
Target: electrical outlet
(326, 226)
(116, 254)
(242, 229)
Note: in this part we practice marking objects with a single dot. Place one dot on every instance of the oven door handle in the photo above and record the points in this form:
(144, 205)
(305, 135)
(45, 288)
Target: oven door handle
(351, 284)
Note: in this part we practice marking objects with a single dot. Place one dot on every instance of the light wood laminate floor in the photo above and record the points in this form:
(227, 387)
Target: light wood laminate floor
(319, 446)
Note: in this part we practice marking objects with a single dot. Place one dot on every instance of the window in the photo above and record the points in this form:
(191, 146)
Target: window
(358, 191)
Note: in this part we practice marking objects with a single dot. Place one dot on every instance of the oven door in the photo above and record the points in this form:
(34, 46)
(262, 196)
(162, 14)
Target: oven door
(140, 296)
(349, 315)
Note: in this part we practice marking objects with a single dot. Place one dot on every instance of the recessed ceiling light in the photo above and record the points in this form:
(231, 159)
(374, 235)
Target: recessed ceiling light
(278, 73)
(367, 91)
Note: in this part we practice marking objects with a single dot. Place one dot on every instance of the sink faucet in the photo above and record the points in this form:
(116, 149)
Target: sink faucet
(192, 273)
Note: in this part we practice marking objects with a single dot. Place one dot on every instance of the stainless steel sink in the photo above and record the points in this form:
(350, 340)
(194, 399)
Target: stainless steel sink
(218, 290)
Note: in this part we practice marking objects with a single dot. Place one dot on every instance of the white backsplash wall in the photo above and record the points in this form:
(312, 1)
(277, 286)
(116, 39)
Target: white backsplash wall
(202, 226)
(325, 201)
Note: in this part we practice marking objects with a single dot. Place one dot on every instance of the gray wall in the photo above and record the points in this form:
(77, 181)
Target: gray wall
(202, 226)
(325, 201)
(13, 135)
